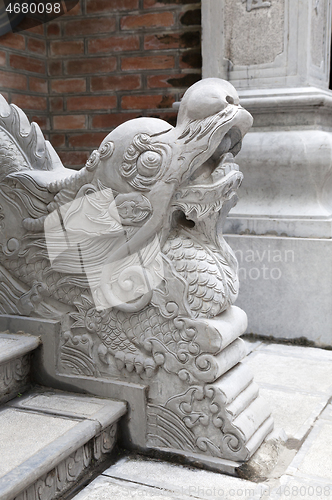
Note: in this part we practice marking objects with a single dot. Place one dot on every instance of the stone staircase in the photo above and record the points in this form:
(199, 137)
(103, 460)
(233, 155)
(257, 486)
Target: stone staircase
(49, 439)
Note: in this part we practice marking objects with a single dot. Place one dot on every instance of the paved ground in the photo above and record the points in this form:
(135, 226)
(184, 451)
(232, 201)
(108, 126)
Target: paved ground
(297, 384)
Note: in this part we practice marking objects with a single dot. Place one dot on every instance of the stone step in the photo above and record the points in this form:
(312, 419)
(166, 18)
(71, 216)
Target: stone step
(15, 353)
(50, 440)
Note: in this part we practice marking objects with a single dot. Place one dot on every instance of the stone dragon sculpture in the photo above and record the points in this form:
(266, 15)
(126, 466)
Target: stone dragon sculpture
(128, 254)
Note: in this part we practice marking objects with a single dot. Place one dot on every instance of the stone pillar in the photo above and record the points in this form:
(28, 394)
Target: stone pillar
(277, 54)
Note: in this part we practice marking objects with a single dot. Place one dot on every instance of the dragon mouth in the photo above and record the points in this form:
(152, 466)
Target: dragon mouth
(221, 163)
(215, 181)
(225, 176)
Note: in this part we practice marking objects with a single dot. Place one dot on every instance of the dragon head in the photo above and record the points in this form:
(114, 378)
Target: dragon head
(144, 172)
(212, 124)
(190, 166)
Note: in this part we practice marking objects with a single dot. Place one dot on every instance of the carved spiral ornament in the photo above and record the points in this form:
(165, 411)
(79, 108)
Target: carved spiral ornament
(131, 291)
(149, 163)
(106, 150)
(144, 162)
(93, 161)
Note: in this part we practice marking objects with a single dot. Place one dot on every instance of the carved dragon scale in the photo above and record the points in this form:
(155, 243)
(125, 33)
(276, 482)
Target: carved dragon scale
(128, 254)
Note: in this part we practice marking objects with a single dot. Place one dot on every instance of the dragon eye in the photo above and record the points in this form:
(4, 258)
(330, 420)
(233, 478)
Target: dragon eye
(149, 163)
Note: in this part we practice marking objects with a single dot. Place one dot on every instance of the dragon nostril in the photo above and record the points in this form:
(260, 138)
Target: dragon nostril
(230, 99)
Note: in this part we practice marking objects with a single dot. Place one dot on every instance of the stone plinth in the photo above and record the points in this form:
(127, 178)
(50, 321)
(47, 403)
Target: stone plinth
(277, 53)
(258, 44)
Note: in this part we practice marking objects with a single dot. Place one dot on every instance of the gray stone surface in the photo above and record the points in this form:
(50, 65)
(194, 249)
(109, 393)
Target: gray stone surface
(294, 351)
(170, 476)
(42, 438)
(277, 54)
(15, 363)
(13, 346)
(104, 488)
(7, 343)
(252, 47)
(252, 345)
(293, 411)
(63, 404)
(22, 435)
(149, 477)
(71, 405)
(327, 413)
(292, 372)
(295, 382)
(294, 488)
(281, 286)
(266, 44)
(315, 458)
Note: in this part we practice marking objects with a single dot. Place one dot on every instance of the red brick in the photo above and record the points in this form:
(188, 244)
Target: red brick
(38, 85)
(67, 48)
(30, 102)
(55, 68)
(191, 59)
(68, 86)
(13, 41)
(113, 44)
(159, 81)
(27, 63)
(88, 140)
(13, 80)
(146, 62)
(68, 122)
(56, 103)
(103, 102)
(161, 3)
(147, 101)
(191, 17)
(74, 11)
(42, 121)
(153, 20)
(53, 29)
(111, 120)
(91, 66)
(95, 6)
(36, 45)
(2, 58)
(187, 39)
(117, 82)
(162, 41)
(181, 80)
(74, 159)
(58, 140)
(32, 25)
(90, 26)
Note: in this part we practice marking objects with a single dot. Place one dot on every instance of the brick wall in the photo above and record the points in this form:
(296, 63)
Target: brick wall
(23, 71)
(102, 63)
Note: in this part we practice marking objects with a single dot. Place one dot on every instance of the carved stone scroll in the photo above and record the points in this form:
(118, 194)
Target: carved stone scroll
(128, 254)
